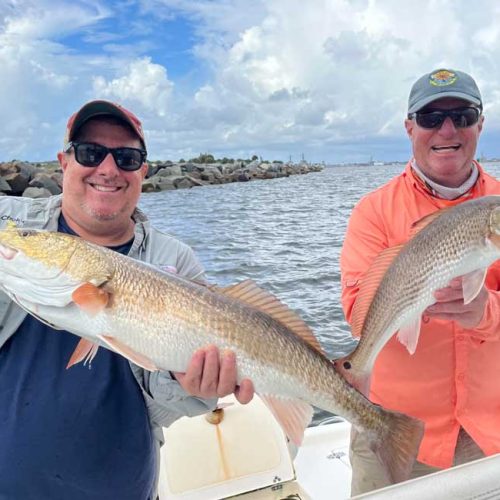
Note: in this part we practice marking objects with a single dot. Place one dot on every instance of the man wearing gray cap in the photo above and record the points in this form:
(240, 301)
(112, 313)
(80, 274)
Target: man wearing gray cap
(451, 381)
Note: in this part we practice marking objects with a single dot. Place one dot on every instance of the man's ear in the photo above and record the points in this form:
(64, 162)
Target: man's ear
(144, 169)
(63, 160)
(409, 124)
(480, 123)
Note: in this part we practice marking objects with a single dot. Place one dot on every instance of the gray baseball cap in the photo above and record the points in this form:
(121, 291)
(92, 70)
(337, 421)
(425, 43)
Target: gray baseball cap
(443, 83)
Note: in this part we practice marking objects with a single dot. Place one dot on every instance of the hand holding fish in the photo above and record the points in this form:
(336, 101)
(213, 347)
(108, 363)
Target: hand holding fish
(207, 377)
(450, 305)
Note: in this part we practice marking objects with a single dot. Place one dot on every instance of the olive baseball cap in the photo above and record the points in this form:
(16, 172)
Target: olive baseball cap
(443, 83)
(99, 108)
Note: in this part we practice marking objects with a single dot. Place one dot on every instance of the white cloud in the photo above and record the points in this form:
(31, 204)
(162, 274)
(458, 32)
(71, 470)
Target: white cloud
(142, 82)
(336, 71)
(284, 76)
(41, 19)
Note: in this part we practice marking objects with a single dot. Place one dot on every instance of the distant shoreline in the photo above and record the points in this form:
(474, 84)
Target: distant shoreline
(44, 179)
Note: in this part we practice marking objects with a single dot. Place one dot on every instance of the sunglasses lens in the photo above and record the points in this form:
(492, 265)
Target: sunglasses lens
(432, 119)
(128, 158)
(90, 155)
(462, 118)
(465, 117)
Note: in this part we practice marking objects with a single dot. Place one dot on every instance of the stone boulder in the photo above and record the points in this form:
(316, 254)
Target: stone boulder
(152, 170)
(169, 171)
(187, 182)
(211, 174)
(4, 186)
(57, 177)
(165, 183)
(8, 168)
(45, 181)
(149, 186)
(17, 182)
(191, 167)
(27, 170)
(36, 192)
(158, 183)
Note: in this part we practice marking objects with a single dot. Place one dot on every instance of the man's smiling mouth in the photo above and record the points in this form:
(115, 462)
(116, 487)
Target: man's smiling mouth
(106, 189)
(451, 147)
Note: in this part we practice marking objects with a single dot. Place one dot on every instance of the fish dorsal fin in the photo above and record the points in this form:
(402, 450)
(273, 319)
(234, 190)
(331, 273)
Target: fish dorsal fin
(369, 286)
(292, 414)
(252, 295)
(472, 284)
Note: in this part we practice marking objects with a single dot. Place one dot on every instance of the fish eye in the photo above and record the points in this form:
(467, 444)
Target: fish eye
(26, 232)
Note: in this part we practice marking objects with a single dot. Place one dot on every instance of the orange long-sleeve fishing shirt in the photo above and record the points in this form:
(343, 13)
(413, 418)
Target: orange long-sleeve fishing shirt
(453, 379)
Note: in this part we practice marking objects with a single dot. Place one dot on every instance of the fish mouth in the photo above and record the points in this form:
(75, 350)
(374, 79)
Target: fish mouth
(6, 252)
(446, 149)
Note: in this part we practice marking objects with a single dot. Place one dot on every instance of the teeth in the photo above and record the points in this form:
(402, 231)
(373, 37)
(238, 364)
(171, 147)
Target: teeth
(107, 189)
(441, 148)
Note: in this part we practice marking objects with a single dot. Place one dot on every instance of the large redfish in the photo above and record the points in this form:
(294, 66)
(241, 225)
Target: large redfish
(158, 320)
(459, 241)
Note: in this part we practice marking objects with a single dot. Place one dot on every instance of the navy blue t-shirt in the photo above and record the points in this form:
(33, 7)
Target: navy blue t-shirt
(81, 433)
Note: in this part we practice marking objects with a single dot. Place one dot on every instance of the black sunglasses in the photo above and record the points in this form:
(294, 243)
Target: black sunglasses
(434, 118)
(90, 154)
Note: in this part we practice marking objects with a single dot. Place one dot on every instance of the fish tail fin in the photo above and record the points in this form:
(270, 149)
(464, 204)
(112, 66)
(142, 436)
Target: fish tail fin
(398, 448)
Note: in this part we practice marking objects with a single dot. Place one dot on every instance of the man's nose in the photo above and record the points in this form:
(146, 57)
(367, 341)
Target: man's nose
(448, 127)
(108, 165)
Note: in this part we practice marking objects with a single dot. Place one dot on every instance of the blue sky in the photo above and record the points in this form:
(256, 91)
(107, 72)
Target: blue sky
(278, 78)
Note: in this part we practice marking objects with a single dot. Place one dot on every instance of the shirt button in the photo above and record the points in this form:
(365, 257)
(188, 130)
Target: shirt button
(460, 337)
(461, 377)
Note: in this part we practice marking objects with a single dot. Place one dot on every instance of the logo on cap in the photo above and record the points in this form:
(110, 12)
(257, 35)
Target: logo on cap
(442, 78)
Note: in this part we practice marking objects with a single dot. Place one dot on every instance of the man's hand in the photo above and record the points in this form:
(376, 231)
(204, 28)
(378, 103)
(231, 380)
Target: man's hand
(207, 377)
(450, 305)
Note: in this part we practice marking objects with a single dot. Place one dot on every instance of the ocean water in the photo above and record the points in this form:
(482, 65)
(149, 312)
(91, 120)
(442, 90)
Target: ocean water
(285, 234)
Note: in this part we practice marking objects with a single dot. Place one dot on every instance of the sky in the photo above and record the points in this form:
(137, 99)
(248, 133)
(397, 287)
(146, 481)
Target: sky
(324, 80)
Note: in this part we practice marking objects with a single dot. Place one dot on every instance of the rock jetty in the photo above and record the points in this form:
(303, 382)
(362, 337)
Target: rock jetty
(40, 180)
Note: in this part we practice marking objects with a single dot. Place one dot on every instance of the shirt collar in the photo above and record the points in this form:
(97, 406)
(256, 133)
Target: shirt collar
(445, 192)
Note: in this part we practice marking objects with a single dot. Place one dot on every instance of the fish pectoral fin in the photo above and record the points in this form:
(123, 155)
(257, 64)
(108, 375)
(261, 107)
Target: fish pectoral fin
(85, 351)
(292, 414)
(127, 352)
(252, 295)
(90, 298)
(408, 334)
(472, 284)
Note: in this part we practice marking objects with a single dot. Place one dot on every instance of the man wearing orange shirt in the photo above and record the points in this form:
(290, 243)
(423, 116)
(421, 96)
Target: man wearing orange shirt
(452, 382)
